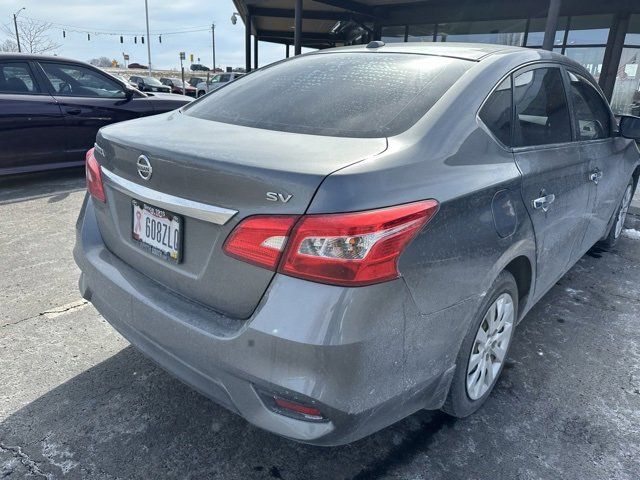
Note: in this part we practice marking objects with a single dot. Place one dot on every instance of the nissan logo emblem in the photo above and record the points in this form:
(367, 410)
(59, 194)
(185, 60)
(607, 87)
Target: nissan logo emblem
(144, 167)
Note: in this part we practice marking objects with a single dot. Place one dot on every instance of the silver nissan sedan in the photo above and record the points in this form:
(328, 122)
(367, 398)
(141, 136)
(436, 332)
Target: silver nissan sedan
(338, 240)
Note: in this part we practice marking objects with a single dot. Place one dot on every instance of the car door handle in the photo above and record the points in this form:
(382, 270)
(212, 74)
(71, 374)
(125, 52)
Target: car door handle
(73, 111)
(544, 202)
(595, 176)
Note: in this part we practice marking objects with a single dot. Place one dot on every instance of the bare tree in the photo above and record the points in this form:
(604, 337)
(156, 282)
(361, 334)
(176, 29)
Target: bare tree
(8, 46)
(34, 36)
(100, 62)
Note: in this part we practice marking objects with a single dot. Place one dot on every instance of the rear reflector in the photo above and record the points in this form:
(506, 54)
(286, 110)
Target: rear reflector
(354, 249)
(292, 408)
(260, 240)
(310, 413)
(94, 177)
(349, 249)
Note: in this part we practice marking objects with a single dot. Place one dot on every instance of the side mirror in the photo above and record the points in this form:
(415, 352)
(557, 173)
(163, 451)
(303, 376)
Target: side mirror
(630, 127)
(128, 93)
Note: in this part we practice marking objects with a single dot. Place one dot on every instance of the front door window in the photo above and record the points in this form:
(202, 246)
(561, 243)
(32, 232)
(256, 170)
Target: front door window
(78, 81)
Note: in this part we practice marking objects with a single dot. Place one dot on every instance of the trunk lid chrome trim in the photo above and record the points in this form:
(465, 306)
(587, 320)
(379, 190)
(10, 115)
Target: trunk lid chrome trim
(182, 206)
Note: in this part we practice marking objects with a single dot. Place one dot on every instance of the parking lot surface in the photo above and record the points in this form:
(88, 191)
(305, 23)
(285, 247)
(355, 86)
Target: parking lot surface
(77, 401)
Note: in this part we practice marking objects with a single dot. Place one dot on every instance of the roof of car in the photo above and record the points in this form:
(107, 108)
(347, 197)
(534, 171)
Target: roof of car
(466, 51)
(36, 56)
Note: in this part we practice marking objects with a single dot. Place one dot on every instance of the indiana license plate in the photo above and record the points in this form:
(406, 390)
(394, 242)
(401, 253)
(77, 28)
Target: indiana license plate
(157, 231)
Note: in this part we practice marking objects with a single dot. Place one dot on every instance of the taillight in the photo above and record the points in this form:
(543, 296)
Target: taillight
(260, 240)
(94, 177)
(354, 249)
(350, 249)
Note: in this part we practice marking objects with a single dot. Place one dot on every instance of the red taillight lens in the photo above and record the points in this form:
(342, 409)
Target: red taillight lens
(260, 240)
(354, 249)
(306, 412)
(94, 177)
(350, 249)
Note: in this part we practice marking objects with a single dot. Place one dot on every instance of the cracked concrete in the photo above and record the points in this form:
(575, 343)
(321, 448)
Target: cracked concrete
(79, 402)
(16, 453)
(54, 312)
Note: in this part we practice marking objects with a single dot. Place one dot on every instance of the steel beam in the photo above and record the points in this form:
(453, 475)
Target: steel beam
(297, 39)
(350, 5)
(247, 43)
(552, 24)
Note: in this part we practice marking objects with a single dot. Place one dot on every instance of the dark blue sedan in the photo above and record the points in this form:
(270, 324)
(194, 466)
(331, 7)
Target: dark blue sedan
(51, 109)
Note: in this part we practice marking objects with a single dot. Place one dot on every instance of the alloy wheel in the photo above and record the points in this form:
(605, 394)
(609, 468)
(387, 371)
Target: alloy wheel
(490, 346)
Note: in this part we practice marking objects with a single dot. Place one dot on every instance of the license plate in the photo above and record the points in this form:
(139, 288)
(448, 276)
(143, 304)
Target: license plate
(157, 231)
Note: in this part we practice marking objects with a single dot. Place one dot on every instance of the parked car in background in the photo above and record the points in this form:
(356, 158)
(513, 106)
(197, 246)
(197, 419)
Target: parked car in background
(216, 82)
(177, 86)
(325, 254)
(197, 67)
(137, 66)
(51, 109)
(126, 81)
(194, 81)
(149, 84)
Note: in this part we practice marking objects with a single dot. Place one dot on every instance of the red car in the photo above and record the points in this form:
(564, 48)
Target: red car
(178, 86)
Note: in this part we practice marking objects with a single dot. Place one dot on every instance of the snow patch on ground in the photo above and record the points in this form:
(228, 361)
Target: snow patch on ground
(631, 233)
(58, 455)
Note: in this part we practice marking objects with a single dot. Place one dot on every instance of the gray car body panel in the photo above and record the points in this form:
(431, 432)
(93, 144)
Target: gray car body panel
(366, 356)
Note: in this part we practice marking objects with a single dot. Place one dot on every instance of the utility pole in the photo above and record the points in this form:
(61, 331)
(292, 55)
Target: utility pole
(182, 57)
(15, 24)
(213, 45)
(146, 12)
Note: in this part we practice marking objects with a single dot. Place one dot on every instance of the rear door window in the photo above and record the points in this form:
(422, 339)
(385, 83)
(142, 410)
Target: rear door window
(336, 94)
(542, 113)
(16, 77)
(496, 112)
(592, 114)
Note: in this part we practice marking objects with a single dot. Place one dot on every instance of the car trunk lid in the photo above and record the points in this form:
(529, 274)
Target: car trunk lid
(228, 168)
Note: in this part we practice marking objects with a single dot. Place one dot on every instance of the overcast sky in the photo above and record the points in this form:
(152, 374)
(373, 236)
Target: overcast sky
(128, 16)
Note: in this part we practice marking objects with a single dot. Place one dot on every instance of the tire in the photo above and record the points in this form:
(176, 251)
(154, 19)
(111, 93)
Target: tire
(618, 220)
(200, 93)
(465, 396)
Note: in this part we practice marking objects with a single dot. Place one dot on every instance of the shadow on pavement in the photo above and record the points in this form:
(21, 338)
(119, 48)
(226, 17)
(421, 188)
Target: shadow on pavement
(28, 186)
(127, 418)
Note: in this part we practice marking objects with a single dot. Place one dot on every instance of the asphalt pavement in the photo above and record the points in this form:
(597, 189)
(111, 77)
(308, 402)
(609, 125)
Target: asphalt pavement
(77, 401)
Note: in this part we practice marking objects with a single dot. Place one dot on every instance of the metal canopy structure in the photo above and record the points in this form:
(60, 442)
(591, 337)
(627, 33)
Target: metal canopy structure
(329, 23)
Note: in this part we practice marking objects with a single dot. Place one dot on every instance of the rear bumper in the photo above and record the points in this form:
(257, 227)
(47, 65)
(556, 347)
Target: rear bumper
(344, 350)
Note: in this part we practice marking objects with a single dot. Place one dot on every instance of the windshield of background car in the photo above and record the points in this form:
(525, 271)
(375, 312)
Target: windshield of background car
(152, 81)
(337, 94)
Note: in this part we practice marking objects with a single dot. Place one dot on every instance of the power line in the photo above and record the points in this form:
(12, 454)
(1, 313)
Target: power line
(95, 31)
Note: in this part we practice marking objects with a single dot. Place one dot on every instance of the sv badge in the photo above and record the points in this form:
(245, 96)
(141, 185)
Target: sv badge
(278, 197)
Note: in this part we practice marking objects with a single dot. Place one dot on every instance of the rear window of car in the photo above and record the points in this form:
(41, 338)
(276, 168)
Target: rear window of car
(336, 94)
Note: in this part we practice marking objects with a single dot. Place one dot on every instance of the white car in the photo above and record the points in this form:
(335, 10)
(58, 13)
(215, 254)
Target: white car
(216, 82)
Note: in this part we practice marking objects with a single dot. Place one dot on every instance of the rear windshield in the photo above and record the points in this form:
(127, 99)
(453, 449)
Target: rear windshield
(336, 94)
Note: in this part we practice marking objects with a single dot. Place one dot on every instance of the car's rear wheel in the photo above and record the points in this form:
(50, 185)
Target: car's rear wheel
(620, 216)
(484, 350)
